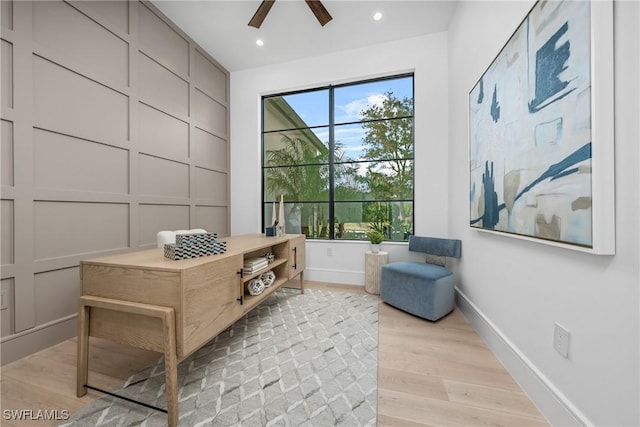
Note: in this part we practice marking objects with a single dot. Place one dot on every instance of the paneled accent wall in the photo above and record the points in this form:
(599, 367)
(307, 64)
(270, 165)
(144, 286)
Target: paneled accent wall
(114, 126)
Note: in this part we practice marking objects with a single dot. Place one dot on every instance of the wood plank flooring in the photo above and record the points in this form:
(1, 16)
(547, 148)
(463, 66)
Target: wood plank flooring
(429, 374)
(442, 374)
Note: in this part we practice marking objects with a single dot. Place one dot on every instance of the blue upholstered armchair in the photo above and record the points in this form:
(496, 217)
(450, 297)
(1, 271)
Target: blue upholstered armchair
(425, 289)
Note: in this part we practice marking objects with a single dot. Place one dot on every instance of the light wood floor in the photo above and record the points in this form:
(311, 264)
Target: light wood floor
(429, 374)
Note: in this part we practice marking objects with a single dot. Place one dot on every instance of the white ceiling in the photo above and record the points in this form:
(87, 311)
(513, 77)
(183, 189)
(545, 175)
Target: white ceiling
(292, 32)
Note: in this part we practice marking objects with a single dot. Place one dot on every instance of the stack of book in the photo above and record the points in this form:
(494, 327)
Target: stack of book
(251, 265)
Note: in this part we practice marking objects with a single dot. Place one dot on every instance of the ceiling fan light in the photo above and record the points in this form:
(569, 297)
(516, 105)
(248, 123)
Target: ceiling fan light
(377, 16)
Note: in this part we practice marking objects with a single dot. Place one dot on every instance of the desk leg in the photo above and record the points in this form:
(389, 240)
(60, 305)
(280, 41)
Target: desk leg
(168, 318)
(171, 368)
(83, 350)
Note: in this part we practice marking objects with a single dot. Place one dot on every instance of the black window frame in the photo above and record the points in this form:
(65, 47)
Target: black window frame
(331, 148)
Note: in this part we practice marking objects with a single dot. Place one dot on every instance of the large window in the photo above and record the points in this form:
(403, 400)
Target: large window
(342, 159)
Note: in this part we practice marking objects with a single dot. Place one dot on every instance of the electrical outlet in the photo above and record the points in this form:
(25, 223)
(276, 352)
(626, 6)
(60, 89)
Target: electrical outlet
(4, 299)
(329, 251)
(561, 340)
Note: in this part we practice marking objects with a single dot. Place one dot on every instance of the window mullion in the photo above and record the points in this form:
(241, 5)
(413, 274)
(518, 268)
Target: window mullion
(331, 165)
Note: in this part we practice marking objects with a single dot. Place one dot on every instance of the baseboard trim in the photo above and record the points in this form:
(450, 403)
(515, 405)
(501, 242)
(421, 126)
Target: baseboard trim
(348, 277)
(552, 403)
(31, 341)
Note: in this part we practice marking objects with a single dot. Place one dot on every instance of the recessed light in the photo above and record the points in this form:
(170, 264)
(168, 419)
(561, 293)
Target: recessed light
(259, 42)
(377, 16)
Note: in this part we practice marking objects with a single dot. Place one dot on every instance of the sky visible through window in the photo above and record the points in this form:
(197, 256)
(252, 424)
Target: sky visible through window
(350, 101)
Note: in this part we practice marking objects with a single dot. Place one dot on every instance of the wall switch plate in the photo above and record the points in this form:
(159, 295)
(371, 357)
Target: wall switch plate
(561, 340)
(329, 251)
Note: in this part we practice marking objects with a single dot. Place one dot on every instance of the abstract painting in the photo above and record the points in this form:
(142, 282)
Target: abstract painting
(530, 130)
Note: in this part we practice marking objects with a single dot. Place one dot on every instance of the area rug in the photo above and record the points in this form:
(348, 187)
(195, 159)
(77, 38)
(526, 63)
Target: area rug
(297, 359)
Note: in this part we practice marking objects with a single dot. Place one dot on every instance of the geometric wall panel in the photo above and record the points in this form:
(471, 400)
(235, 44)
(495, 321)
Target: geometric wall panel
(161, 134)
(6, 316)
(162, 43)
(7, 14)
(161, 88)
(163, 178)
(93, 167)
(212, 219)
(6, 153)
(6, 73)
(211, 185)
(99, 149)
(57, 294)
(209, 151)
(209, 78)
(72, 104)
(113, 14)
(209, 114)
(74, 228)
(154, 218)
(57, 25)
(6, 232)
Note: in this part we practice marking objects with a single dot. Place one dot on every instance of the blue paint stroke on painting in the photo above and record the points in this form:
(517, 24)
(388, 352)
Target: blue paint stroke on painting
(550, 63)
(495, 107)
(581, 154)
(555, 171)
(481, 92)
(491, 214)
(565, 173)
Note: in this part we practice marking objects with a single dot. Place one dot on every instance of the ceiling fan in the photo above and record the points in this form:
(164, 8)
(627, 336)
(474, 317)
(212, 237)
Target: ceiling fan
(315, 5)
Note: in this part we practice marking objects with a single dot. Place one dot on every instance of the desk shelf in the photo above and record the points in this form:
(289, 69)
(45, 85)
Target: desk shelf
(250, 301)
(272, 266)
(288, 263)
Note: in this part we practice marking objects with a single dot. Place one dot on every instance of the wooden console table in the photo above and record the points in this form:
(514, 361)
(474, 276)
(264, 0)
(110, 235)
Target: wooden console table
(145, 300)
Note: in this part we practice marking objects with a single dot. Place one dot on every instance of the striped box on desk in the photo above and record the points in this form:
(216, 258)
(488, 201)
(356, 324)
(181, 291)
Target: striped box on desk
(176, 252)
(196, 239)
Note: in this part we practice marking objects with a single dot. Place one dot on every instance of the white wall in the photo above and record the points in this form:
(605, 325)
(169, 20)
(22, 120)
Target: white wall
(427, 57)
(516, 290)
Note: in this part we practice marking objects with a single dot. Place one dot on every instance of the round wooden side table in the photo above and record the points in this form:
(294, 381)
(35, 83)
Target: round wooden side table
(373, 262)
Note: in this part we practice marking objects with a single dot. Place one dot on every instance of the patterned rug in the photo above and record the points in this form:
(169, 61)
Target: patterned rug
(297, 359)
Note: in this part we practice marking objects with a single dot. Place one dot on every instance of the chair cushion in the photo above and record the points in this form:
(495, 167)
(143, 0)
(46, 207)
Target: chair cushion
(422, 289)
(413, 269)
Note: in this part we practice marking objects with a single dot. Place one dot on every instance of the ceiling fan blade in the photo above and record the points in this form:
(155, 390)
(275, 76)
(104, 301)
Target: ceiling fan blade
(261, 13)
(319, 11)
